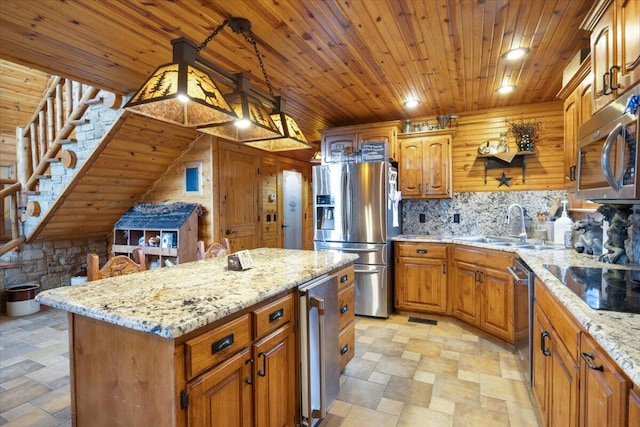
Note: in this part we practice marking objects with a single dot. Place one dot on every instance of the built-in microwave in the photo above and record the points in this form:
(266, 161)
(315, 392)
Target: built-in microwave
(608, 153)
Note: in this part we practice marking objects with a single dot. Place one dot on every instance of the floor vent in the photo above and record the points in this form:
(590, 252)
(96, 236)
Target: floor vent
(419, 320)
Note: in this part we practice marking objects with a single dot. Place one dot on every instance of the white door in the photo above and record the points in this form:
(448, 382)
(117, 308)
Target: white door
(292, 207)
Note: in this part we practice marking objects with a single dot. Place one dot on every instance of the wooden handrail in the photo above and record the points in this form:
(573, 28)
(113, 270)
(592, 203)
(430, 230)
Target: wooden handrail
(12, 193)
(62, 134)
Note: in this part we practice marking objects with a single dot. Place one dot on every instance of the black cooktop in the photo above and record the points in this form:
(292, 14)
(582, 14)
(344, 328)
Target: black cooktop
(603, 288)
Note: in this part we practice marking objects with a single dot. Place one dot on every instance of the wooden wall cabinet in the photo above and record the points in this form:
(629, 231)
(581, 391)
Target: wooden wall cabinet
(615, 48)
(176, 231)
(421, 277)
(424, 168)
(344, 143)
(484, 294)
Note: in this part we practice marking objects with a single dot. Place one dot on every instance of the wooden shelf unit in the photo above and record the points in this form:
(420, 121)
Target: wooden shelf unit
(493, 162)
(176, 228)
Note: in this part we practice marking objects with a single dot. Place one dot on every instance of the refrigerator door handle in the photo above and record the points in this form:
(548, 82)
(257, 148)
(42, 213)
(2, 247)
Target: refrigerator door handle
(318, 303)
(346, 202)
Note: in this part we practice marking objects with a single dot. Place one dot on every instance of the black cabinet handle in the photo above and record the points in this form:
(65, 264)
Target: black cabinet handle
(344, 309)
(572, 173)
(586, 357)
(605, 86)
(344, 278)
(543, 345)
(421, 251)
(613, 67)
(222, 344)
(263, 372)
(344, 350)
(249, 380)
(276, 315)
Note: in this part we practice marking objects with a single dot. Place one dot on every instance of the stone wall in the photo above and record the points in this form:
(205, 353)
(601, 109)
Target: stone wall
(50, 264)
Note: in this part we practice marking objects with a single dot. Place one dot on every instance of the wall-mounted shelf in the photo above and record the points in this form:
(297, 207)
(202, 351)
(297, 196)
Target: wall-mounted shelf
(491, 161)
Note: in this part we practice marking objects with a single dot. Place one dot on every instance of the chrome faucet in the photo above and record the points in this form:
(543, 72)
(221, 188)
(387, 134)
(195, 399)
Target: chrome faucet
(523, 229)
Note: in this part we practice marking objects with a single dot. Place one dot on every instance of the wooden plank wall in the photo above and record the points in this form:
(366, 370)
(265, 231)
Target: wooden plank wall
(171, 188)
(544, 171)
(269, 185)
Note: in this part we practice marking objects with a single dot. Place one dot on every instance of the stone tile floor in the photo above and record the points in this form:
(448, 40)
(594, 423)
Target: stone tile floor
(403, 374)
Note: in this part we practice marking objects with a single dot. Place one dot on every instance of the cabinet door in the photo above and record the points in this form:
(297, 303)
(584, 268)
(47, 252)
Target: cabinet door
(223, 396)
(336, 147)
(466, 292)
(634, 407)
(603, 46)
(628, 44)
(386, 135)
(497, 303)
(563, 387)
(437, 170)
(603, 389)
(410, 168)
(422, 284)
(275, 379)
(541, 361)
(571, 112)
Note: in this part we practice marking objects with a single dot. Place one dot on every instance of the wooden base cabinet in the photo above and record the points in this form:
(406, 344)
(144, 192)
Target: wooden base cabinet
(484, 294)
(603, 388)
(346, 315)
(555, 375)
(421, 277)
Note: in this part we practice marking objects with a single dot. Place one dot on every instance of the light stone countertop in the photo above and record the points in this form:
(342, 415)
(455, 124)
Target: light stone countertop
(171, 302)
(617, 333)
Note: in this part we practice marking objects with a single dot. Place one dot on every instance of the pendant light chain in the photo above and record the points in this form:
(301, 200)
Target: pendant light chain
(213, 34)
(252, 41)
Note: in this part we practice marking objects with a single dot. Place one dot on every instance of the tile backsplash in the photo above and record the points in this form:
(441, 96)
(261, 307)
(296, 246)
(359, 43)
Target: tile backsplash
(481, 213)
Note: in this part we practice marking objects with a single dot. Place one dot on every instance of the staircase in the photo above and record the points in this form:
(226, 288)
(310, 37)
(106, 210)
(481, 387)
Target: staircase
(82, 164)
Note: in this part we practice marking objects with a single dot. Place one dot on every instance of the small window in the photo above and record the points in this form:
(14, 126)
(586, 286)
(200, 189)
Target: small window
(192, 173)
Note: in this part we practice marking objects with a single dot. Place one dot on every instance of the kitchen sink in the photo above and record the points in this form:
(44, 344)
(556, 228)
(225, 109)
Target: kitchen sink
(508, 241)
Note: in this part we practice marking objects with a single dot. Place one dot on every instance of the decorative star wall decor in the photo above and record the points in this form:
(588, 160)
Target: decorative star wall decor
(504, 180)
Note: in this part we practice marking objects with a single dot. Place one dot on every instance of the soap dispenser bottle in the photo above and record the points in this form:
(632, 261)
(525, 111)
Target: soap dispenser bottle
(561, 226)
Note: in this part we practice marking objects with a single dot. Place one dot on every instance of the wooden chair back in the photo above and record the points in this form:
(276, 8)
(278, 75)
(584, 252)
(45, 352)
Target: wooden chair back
(118, 265)
(214, 250)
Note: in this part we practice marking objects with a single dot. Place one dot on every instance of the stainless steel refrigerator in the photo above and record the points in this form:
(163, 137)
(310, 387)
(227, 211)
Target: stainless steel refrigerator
(357, 211)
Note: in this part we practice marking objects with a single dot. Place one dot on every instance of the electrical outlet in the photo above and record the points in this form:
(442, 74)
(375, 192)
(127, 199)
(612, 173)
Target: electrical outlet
(456, 218)
(423, 218)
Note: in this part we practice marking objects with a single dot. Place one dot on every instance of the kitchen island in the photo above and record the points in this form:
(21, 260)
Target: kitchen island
(142, 345)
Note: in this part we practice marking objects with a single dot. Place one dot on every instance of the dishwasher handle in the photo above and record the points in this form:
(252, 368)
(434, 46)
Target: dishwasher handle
(318, 303)
(518, 280)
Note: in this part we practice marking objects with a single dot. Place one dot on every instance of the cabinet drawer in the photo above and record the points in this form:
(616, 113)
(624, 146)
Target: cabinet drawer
(565, 327)
(214, 346)
(346, 299)
(345, 277)
(272, 316)
(346, 344)
(483, 257)
(421, 250)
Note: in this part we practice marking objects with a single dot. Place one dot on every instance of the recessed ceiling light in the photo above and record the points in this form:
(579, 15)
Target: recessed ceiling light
(515, 53)
(506, 89)
(411, 103)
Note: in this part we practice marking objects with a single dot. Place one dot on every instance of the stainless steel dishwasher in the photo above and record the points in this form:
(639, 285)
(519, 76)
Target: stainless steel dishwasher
(319, 349)
(524, 276)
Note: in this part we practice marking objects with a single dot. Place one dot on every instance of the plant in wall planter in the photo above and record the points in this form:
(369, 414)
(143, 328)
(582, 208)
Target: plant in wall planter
(525, 133)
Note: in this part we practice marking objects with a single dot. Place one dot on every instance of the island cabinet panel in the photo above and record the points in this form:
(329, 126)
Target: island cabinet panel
(224, 395)
(603, 388)
(274, 358)
(421, 277)
(120, 376)
(634, 406)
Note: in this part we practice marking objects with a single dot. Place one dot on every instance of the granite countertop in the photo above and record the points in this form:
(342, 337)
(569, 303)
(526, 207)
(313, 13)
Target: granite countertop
(617, 333)
(171, 302)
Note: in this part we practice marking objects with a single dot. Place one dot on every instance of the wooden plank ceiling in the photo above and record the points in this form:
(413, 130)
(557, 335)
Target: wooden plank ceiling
(337, 62)
(137, 151)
